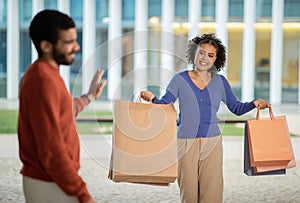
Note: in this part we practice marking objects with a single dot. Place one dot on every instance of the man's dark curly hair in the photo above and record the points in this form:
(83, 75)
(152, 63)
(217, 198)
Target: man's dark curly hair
(46, 25)
(210, 38)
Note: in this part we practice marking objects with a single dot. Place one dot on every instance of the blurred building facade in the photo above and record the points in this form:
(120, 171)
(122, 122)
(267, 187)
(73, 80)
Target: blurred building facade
(141, 43)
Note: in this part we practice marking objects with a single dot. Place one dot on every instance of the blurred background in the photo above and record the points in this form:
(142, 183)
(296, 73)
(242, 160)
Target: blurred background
(141, 43)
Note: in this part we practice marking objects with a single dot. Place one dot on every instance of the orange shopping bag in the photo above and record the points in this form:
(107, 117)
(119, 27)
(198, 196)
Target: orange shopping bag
(269, 143)
(252, 171)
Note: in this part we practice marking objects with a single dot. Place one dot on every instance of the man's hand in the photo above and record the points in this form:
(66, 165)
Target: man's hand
(96, 87)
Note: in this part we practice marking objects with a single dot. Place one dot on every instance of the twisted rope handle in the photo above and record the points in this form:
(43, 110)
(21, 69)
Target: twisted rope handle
(271, 114)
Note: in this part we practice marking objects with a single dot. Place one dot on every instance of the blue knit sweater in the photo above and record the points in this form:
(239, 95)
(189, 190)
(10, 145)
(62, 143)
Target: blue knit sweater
(198, 108)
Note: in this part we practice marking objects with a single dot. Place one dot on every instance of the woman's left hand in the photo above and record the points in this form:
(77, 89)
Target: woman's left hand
(262, 104)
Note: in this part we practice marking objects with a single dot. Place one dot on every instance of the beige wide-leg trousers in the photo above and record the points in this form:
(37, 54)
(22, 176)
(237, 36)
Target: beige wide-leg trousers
(200, 170)
(37, 191)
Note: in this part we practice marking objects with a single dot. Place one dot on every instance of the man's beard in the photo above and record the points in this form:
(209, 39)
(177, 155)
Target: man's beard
(61, 58)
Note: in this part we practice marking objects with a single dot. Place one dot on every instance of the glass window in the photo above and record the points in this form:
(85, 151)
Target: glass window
(101, 12)
(263, 10)
(25, 13)
(76, 11)
(291, 10)
(154, 8)
(181, 16)
(25, 7)
(50, 4)
(262, 62)
(181, 8)
(2, 52)
(128, 10)
(154, 13)
(208, 10)
(290, 65)
(236, 10)
(101, 54)
(153, 62)
(234, 61)
(25, 55)
(3, 63)
(3, 47)
(3, 13)
(127, 62)
(75, 69)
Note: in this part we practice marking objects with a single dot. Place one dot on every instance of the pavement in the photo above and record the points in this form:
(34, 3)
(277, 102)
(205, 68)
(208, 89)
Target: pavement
(95, 157)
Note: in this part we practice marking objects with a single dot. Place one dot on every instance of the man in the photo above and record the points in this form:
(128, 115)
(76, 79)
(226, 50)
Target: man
(48, 139)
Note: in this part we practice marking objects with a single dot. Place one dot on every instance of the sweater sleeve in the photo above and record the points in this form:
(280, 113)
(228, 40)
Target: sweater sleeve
(166, 99)
(78, 105)
(233, 104)
(52, 148)
(171, 93)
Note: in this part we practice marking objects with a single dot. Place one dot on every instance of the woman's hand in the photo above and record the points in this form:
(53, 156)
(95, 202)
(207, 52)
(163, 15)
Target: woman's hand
(262, 104)
(147, 95)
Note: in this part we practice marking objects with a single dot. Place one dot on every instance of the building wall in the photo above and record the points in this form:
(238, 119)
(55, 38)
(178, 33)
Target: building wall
(156, 58)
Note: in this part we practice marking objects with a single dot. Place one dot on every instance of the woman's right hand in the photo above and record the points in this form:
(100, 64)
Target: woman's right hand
(147, 95)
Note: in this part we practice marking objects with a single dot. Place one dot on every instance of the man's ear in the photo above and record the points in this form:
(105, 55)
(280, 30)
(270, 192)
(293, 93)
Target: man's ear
(46, 47)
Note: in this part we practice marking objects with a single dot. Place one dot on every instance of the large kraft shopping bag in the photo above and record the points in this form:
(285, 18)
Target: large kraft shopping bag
(252, 171)
(269, 143)
(144, 143)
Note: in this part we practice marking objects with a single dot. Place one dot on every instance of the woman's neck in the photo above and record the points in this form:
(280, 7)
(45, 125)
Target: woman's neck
(204, 75)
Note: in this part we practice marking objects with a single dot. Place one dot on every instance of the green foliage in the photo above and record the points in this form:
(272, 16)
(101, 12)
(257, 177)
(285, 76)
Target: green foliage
(94, 128)
(232, 129)
(8, 121)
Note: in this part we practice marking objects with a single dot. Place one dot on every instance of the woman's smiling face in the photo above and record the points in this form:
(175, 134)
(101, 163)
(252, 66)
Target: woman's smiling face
(205, 56)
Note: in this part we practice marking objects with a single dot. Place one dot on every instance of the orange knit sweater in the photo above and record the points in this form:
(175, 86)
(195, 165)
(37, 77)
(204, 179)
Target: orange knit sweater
(48, 139)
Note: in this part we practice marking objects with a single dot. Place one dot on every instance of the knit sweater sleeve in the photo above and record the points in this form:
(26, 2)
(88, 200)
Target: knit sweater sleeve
(78, 105)
(234, 105)
(51, 135)
(171, 92)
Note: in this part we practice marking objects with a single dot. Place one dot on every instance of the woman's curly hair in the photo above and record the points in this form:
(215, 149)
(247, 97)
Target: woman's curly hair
(207, 39)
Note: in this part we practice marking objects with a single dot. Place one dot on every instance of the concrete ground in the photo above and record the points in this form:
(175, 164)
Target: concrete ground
(95, 156)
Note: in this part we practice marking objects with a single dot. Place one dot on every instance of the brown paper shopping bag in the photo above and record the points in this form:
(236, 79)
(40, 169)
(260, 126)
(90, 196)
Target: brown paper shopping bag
(144, 143)
(269, 143)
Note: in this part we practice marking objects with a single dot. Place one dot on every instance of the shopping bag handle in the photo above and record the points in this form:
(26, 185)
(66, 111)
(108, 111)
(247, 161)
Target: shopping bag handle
(270, 113)
(139, 99)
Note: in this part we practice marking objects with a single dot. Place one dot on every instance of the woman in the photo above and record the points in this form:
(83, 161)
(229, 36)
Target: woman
(200, 92)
